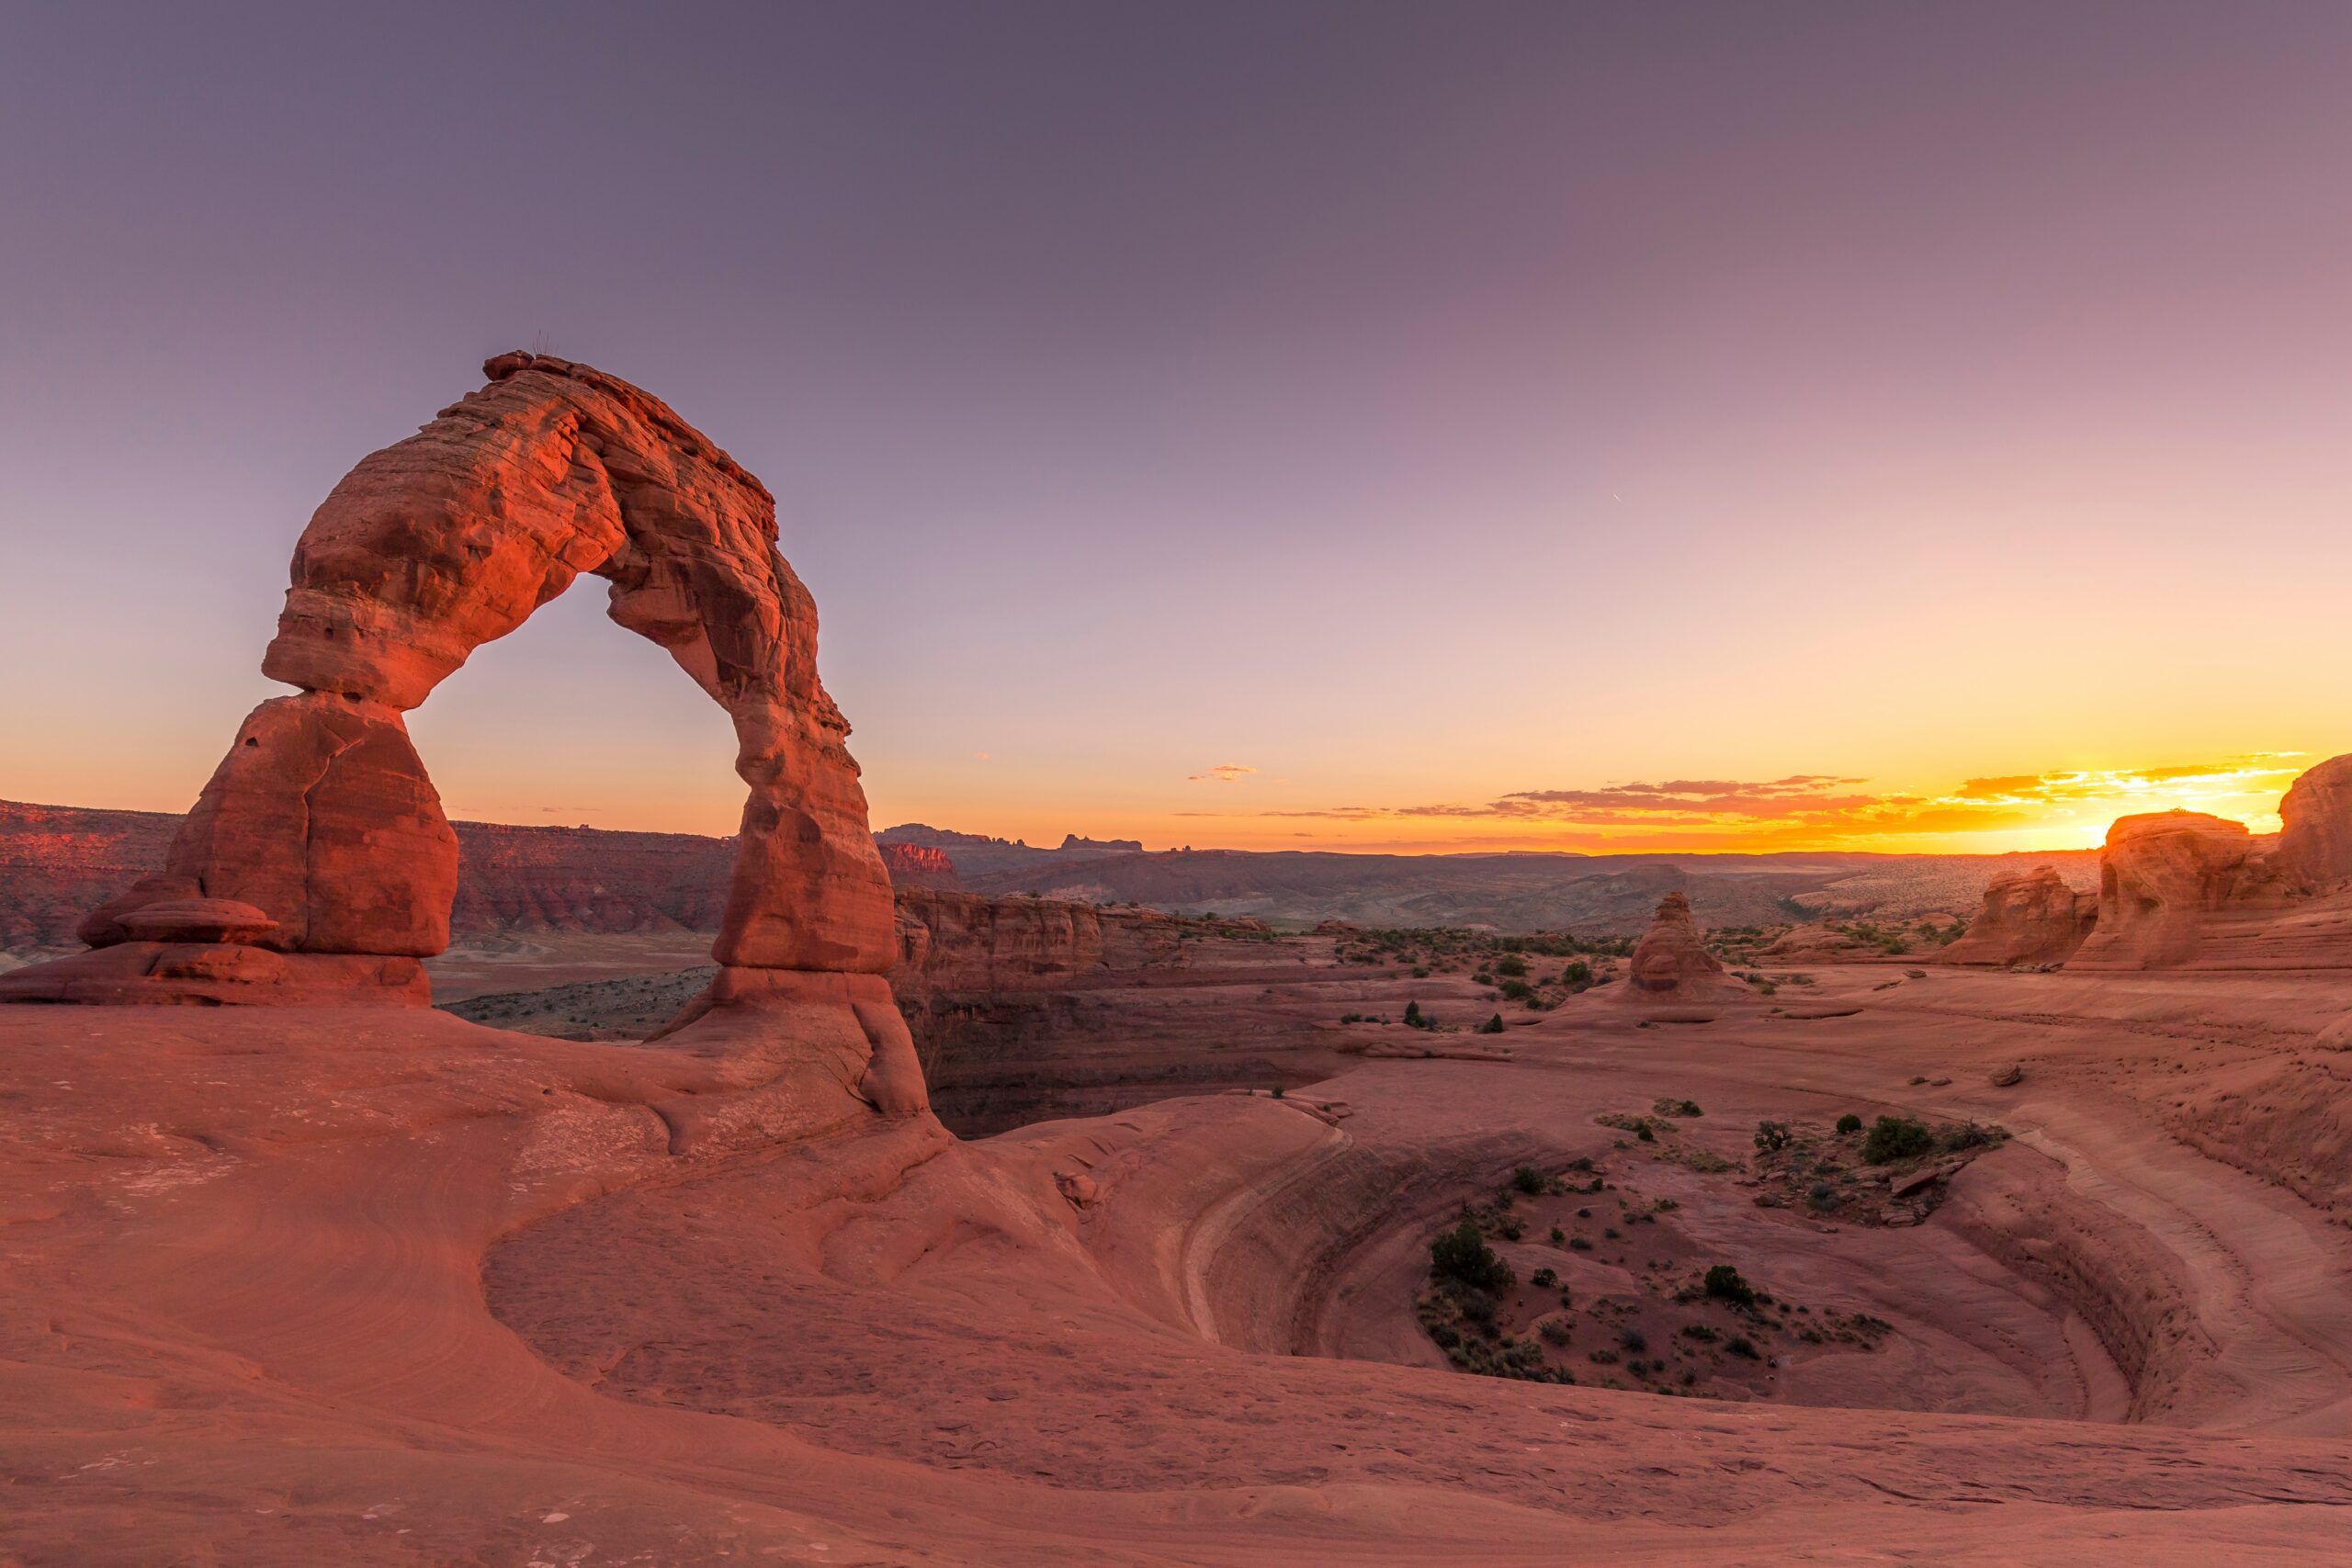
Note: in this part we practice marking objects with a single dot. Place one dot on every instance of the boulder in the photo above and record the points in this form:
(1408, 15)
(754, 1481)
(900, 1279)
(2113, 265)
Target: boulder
(2161, 875)
(200, 920)
(2028, 918)
(2314, 850)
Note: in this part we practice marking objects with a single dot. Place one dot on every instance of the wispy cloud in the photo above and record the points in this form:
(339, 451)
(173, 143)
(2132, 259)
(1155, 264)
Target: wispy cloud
(1224, 773)
(1823, 808)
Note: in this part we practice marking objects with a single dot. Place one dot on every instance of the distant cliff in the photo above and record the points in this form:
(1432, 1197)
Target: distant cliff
(56, 862)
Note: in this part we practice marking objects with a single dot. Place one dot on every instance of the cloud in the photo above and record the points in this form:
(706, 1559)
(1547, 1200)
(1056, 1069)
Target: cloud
(1224, 773)
(1819, 809)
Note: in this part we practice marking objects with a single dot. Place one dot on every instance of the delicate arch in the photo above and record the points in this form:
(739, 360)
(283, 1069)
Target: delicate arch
(320, 835)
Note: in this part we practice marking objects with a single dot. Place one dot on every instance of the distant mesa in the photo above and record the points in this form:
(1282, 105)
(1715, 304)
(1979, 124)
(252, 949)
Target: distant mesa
(919, 865)
(2029, 918)
(1071, 842)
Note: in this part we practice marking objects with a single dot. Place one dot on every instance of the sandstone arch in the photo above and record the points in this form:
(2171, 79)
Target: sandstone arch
(317, 864)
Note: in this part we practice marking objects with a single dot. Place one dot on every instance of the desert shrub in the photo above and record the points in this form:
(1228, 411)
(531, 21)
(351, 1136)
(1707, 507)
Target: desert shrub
(1972, 1136)
(1461, 1255)
(1527, 1178)
(1278, 1092)
(1446, 1335)
(1513, 1228)
(1543, 1278)
(1558, 1235)
(1631, 1339)
(1772, 1137)
(1896, 1137)
(1699, 1332)
(1476, 1304)
(1606, 1358)
(1492, 1026)
(1420, 971)
(1823, 1196)
(1555, 1330)
(1511, 964)
(1413, 1018)
(1849, 1122)
(1741, 1345)
(1579, 1244)
(1578, 973)
(1724, 1283)
(1482, 978)
(1516, 990)
(1672, 1107)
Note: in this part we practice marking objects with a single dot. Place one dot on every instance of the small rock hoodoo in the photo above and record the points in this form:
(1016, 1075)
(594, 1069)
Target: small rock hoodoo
(1670, 961)
(317, 865)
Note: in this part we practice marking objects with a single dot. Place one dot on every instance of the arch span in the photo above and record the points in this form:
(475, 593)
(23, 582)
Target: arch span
(318, 866)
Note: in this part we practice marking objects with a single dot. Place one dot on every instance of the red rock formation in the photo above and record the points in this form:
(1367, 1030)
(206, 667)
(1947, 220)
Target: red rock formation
(321, 816)
(2314, 848)
(1816, 944)
(967, 942)
(918, 865)
(2162, 875)
(1670, 962)
(2030, 918)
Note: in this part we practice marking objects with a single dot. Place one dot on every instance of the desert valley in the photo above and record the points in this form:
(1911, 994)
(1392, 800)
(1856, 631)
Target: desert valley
(1578, 789)
(784, 1198)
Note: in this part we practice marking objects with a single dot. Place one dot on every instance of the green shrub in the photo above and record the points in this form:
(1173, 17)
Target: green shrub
(1511, 964)
(1896, 1137)
(1741, 1345)
(1543, 1278)
(1462, 1256)
(1413, 1018)
(1772, 1137)
(1849, 1122)
(1528, 1179)
(1724, 1283)
(1492, 1026)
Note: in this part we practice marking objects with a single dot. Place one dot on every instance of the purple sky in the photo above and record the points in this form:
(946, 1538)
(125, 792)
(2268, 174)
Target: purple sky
(1396, 405)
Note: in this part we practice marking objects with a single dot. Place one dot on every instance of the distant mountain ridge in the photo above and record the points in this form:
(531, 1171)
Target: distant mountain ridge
(56, 862)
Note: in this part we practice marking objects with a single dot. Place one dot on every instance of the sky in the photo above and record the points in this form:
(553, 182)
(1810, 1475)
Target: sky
(1272, 426)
